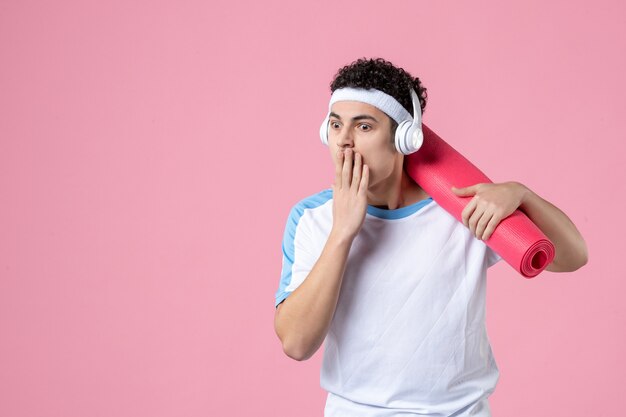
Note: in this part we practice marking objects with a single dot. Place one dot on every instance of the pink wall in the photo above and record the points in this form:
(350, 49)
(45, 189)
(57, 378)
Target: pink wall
(150, 153)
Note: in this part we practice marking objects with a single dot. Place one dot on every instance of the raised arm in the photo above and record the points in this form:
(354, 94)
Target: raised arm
(493, 202)
(302, 320)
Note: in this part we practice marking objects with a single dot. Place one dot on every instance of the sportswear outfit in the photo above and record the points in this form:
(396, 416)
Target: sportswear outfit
(408, 336)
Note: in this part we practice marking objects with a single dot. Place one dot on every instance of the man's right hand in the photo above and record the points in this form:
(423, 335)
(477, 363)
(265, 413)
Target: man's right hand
(303, 321)
(349, 194)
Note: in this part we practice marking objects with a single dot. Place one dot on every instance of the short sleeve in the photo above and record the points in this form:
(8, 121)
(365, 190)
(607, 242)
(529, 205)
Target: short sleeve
(286, 274)
(300, 249)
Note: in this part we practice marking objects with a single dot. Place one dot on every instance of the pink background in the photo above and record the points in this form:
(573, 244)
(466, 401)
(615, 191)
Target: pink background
(150, 153)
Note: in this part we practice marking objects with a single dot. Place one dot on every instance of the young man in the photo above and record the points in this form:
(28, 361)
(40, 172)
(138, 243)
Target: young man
(392, 283)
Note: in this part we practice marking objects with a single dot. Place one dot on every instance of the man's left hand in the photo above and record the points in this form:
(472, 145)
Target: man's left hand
(491, 203)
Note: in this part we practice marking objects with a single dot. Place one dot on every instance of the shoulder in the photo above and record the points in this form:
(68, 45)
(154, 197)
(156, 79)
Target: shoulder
(316, 199)
(309, 213)
(309, 203)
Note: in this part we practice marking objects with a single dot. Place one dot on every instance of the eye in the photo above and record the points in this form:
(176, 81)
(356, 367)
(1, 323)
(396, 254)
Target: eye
(334, 124)
(365, 127)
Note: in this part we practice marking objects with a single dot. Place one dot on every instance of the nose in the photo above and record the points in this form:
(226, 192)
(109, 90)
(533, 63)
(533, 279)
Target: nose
(344, 139)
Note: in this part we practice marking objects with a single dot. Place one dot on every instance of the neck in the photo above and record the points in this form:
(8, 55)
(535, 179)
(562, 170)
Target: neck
(397, 191)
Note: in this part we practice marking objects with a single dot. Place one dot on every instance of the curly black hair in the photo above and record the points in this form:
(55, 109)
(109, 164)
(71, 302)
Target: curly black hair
(384, 76)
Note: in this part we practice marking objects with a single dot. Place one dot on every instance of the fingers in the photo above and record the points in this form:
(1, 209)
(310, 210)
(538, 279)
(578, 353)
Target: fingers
(364, 183)
(338, 169)
(351, 173)
(467, 212)
(475, 218)
(483, 212)
(491, 227)
(347, 169)
(482, 224)
(356, 172)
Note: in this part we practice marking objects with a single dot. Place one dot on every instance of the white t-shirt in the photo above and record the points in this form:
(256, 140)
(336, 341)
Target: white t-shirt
(408, 336)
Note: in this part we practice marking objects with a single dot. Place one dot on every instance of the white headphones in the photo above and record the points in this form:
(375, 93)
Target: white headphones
(408, 137)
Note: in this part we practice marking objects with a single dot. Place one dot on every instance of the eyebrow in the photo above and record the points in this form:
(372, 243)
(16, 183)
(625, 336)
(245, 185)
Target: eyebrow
(356, 118)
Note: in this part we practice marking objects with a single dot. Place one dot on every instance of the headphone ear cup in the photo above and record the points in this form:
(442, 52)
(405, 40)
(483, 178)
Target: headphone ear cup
(417, 138)
(402, 134)
(409, 135)
(324, 130)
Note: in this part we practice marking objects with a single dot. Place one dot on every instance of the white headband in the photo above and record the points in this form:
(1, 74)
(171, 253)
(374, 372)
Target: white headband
(382, 101)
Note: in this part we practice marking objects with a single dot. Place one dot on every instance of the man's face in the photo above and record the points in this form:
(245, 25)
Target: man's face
(367, 131)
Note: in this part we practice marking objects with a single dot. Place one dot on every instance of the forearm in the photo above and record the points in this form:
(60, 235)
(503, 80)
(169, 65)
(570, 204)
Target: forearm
(571, 249)
(303, 319)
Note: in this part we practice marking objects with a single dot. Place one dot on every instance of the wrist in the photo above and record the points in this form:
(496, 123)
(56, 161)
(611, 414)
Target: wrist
(340, 238)
(526, 195)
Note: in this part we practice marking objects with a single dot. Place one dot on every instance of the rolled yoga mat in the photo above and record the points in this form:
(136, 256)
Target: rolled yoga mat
(437, 166)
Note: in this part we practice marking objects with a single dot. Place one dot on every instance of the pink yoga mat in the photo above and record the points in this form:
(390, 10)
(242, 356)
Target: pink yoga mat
(437, 166)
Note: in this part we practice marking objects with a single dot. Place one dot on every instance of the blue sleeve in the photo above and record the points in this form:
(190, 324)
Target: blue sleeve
(298, 253)
(288, 254)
